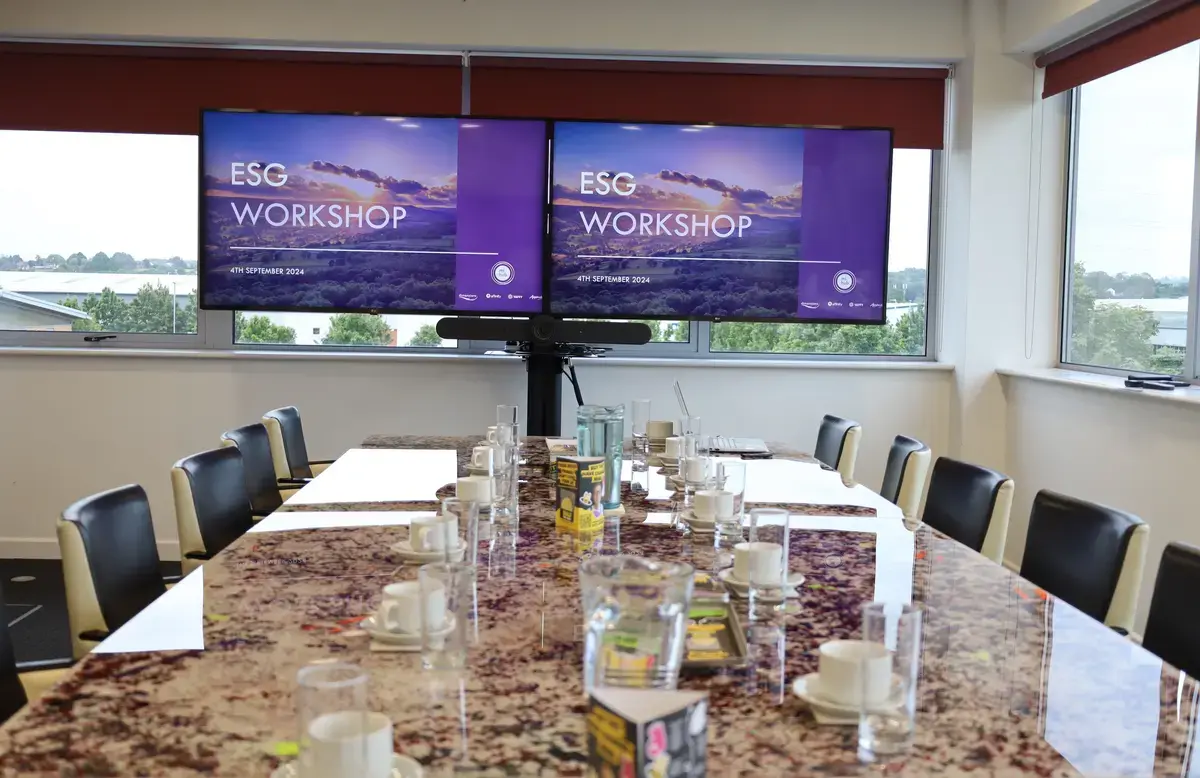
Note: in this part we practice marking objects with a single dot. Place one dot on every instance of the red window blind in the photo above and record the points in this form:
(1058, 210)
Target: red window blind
(162, 90)
(911, 101)
(1153, 30)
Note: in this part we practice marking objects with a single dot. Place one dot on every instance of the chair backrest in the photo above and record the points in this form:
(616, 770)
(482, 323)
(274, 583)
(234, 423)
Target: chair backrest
(1087, 554)
(261, 483)
(837, 444)
(288, 451)
(212, 506)
(110, 560)
(1173, 626)
(970, 504)
(12, 692)
(906, 473)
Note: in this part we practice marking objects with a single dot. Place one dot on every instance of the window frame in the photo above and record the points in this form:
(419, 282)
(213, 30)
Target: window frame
(214, 329)
(1191, 359)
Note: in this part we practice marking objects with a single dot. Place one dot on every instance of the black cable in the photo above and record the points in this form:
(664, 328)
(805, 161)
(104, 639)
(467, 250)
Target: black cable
(575, 383)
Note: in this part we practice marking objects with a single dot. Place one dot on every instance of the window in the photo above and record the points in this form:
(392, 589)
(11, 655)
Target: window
(337, 329)
(908, 268)
(98, 233)
(1131, 216)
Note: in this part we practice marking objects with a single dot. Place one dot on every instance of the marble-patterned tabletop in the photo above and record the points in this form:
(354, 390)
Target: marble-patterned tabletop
(1012, 682)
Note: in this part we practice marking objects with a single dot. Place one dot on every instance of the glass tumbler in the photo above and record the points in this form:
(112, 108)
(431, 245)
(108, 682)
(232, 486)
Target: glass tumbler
(769, 541)
(886, 726)
(639, 411)
(690, 441)
(635, 621)
(338, 737)
(444, 646)
(601, 433)
(731, 476)
(467, 514)
(510, 414)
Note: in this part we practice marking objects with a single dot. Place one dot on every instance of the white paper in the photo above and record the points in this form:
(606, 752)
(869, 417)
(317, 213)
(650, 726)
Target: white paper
(381, 475)
(285, 521)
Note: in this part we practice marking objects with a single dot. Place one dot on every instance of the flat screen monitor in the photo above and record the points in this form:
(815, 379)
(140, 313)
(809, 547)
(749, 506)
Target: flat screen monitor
(719, 222)
(388, 214)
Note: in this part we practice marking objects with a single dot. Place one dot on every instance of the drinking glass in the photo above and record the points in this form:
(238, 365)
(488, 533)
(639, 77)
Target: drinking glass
(769, 527)
(444, 646)
(731, 476)
(507, 474)
(467, 513)
(690, 441)
(338, 736)
(888, 727)
(639, 411)
(635, 621)
(600, 430)
(510, 414)
(502, 553)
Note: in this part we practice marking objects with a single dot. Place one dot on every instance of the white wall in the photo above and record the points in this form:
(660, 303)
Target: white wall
(1031, 26)
(74, 425)
(1125, 450)
(895, 30)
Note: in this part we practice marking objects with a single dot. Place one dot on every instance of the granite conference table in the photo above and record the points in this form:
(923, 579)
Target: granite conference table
(1013, 682)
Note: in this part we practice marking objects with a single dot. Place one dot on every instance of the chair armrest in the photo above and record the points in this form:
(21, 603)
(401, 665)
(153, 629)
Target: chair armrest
(38, 682)
(293, 481)
(94, 635)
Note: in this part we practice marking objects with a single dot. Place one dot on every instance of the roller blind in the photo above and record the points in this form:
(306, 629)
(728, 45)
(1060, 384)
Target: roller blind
(911, 101)
(1153, 30)
(162, 90)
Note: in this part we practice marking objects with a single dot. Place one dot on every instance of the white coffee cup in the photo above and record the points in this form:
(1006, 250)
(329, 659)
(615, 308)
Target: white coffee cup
(474, 487)
(696, 469)
(659, 429)
(401, 608)
(850, 672)
(430, 533)
(713, 504)
(483, 459)
(758, 562)
(491, 434)
(348, 744)
(672, 447)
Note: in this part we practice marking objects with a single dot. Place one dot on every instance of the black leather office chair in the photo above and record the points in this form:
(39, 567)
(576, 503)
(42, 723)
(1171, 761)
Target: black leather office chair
(970, 504)
(212, 507)
(906, 473)
(1090, 555)
(288, 450)
(1173, 626)
(837, 444)
(12, 692)
(110, 563)
(265, 492)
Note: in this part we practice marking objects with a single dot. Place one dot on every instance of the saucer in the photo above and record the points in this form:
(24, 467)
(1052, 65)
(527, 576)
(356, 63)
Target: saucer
(742, 588)
(669, 461)
(407, 555)
(801, 688)
(402, 767)
(403, 638)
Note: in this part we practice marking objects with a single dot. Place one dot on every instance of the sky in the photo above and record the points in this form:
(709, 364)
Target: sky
(91, 192)
(1136, 167)
(766, 158)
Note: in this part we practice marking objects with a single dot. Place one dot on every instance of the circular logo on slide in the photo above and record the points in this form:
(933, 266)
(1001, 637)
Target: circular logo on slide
(844, 281)
(502, 273)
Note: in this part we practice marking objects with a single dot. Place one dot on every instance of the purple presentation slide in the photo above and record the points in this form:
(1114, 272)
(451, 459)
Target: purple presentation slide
(372, 213)
(719, 222)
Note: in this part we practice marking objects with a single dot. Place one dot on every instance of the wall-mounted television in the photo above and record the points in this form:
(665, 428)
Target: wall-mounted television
(388, 214)
(719, 222)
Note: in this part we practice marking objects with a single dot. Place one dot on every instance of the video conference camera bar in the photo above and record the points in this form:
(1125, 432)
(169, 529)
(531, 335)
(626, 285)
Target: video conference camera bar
(547, 344)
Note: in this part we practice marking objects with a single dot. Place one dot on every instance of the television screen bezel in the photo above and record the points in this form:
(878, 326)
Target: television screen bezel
(548, 266)
(201, 255)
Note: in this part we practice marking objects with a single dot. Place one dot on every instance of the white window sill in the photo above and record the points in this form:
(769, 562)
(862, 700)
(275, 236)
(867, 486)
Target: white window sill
(1103, 383)
(451, 355)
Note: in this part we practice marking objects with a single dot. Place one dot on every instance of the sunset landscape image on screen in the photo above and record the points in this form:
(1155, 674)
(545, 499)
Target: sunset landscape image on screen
(676, 220)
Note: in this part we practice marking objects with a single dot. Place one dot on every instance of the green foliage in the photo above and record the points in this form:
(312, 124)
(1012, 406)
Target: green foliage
(906, 336)
(150, 310)
(426, 336)
(1112, 335)
(358, 329)
(668, 331)
(260, 329)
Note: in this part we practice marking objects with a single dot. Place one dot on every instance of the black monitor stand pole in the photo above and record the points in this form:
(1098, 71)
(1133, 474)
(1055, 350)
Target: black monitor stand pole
(547, 345)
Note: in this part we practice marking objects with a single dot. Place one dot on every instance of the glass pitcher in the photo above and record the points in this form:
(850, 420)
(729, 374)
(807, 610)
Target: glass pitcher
(600, 430)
